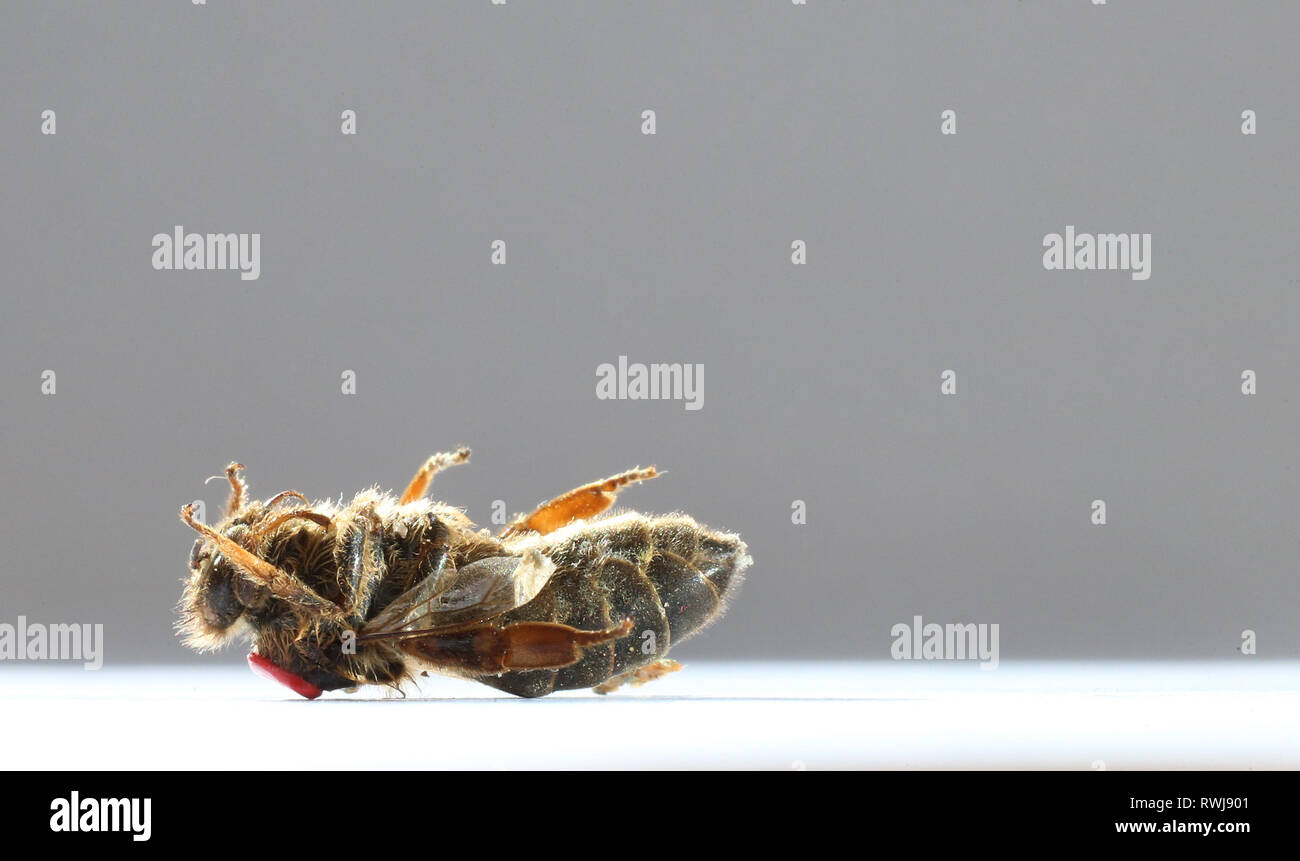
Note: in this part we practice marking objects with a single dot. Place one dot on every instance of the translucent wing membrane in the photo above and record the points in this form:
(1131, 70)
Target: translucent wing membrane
(453, 598)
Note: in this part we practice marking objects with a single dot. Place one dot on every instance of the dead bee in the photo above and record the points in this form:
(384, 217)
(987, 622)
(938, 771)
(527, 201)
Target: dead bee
(383, 589)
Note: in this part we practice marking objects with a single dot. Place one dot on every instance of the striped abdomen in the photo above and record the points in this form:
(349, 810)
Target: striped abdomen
(669, 575)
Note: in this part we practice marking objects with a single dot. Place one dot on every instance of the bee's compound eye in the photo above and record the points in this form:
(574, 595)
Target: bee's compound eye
(194, 553)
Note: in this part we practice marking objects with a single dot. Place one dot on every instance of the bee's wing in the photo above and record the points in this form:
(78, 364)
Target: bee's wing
(451, 598)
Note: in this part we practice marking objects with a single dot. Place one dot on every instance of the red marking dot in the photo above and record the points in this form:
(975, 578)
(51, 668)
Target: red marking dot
(268, 669)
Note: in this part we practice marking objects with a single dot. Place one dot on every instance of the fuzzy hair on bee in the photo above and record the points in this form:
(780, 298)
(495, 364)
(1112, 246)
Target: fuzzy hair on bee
(382, 589)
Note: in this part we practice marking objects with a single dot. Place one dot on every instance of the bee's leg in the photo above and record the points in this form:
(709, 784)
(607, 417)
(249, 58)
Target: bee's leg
(586, 501)
(420, 483)
(639, 676)
(238, 489)
(359, 554)
(488, 650)
(281, 583)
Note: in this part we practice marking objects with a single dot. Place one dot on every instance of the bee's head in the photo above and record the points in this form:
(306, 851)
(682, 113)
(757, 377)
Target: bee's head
(220, 604)
(216, 596)
(243, 582)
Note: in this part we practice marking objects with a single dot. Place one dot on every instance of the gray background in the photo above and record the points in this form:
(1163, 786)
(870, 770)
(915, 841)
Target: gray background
(775, 123)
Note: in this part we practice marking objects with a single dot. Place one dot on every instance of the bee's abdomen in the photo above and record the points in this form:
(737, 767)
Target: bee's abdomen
(669, 575)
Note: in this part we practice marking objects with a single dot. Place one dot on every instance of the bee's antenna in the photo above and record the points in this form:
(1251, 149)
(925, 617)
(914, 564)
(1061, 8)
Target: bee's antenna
(283, 495)
(255, 538)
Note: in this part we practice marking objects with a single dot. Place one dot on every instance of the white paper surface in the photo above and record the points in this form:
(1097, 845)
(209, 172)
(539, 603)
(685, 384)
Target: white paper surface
(785, 716)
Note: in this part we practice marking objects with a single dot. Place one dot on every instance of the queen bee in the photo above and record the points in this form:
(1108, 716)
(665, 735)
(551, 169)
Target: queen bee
(384, 588)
